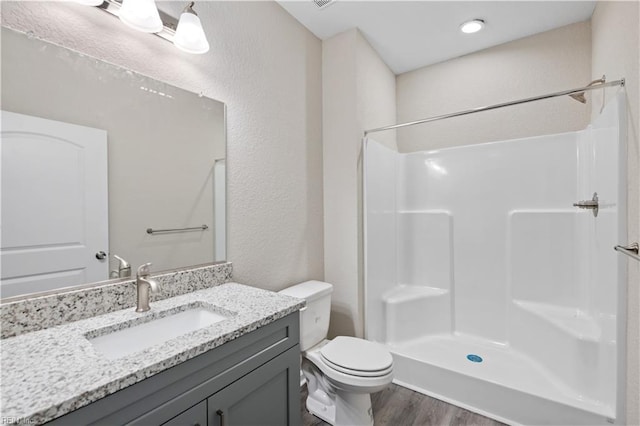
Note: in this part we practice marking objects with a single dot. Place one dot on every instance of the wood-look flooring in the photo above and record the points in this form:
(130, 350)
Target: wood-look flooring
(398, 406)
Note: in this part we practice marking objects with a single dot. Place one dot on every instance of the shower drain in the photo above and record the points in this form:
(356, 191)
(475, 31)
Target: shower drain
(474, 358)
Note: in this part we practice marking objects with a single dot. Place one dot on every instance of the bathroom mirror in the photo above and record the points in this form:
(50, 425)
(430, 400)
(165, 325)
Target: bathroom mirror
(100, 161)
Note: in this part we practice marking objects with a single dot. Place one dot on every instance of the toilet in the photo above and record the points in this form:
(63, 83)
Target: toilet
(341, 373)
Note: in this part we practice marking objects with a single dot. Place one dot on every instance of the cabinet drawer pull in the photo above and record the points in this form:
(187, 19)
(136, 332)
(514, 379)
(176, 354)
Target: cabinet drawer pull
(220, 414)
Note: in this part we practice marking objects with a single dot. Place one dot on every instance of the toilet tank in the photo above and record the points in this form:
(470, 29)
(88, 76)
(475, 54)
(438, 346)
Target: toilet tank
(314, 318)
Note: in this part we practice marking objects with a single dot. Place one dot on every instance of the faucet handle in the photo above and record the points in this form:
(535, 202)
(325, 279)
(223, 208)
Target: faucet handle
(144, 270)
(123, 263)
(124, 268)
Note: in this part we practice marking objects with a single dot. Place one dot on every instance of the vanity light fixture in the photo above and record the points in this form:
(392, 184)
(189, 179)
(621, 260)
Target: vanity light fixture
(186, 34)
(189, 35)
(141, 15)
(90, 2)
(472, 26)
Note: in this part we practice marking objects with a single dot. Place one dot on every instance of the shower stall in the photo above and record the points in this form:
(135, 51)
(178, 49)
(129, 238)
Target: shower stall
(490, 287)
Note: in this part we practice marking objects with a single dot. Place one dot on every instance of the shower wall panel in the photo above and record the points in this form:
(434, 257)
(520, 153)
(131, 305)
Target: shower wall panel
(425, 249)
(380, 245)
(606, 157)
(543, 257)
(477, 187)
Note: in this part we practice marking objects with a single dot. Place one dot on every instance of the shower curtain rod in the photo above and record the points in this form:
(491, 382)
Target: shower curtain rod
(496, 106)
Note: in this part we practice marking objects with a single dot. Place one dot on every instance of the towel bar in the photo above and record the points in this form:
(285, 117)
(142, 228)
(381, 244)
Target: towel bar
(631, 250)
(161, 231)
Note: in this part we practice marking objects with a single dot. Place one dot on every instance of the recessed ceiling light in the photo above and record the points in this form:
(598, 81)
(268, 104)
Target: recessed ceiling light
(472, 26)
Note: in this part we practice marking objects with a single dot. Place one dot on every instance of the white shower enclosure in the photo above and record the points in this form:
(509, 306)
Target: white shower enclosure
(489, 287)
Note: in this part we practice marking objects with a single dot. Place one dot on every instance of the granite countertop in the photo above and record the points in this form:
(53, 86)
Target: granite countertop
(48, 373)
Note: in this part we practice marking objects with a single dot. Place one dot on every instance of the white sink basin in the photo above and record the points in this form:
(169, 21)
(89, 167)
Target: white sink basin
(142, 336)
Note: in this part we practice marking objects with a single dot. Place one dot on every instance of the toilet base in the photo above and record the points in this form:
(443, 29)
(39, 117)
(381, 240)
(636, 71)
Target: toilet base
(345, 408)
(320, 406)
(335, 406)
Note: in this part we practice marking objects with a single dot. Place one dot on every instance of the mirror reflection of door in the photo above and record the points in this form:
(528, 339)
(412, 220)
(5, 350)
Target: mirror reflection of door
(54, 214)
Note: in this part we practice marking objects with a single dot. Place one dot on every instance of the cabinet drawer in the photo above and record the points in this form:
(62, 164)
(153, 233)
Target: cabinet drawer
(194, 416)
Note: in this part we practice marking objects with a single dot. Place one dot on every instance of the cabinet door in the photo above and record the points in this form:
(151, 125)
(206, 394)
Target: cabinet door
(194, 416)
(268, 396)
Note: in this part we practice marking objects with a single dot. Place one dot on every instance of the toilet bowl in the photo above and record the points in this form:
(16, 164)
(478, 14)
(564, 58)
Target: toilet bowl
(340, 373)
(339, 384)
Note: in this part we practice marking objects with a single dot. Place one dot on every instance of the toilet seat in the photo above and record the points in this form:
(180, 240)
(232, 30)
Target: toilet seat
(357, 357)
(357, 373)
(353, 380)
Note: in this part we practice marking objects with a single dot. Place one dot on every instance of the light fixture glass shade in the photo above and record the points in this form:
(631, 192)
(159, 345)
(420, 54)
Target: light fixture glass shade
(90, 2)
(141, 15)
(189, 35)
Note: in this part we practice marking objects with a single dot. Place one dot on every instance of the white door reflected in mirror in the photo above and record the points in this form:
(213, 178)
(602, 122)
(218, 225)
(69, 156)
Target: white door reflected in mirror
(54, 204)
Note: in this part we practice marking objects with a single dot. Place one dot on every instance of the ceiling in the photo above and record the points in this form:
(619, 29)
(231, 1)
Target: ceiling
(413, 34)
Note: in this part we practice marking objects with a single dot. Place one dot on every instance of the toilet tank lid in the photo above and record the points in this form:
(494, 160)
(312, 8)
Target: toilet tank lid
(308, 290)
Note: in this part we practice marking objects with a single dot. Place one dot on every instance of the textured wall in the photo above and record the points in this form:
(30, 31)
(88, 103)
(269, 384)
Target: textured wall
(267, 68)
(340, 150)
(616, 39)
(555, 60)
(358, 93)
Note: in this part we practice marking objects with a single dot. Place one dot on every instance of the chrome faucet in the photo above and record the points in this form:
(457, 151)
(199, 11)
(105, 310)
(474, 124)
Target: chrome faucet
(144, 284)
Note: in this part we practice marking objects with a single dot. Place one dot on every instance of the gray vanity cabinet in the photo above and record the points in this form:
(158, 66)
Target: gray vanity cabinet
(194, 416)
(259, 398)
(252, 380)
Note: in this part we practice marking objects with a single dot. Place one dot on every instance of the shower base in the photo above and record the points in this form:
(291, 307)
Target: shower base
(507, 385)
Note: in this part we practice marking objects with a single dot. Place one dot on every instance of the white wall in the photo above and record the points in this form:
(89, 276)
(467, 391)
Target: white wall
(358, 93)
(543, 63)
(616, 37)
(267, 68)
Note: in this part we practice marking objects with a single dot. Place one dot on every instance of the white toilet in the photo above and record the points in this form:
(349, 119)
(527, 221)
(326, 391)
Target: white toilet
(343, 372)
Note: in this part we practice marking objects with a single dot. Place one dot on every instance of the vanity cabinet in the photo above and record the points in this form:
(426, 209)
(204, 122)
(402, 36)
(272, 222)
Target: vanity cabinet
(194, 416)
(252, 380)
(259, 398)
